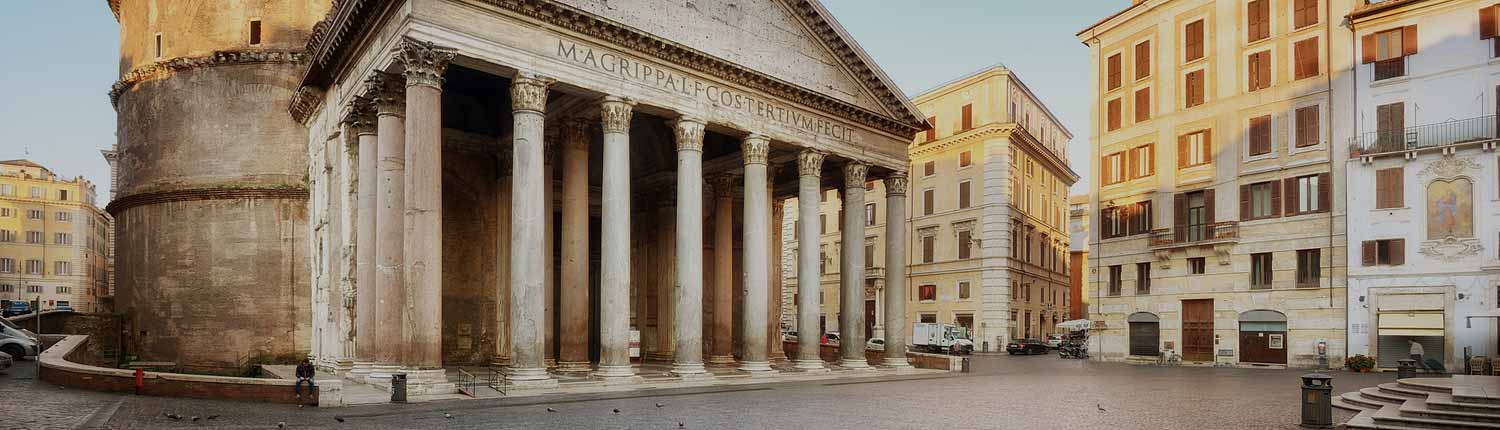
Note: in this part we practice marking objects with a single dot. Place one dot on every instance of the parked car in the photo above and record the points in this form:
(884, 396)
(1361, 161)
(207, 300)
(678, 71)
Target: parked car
(1026, 347)
(790, 336)
(16, 307)
(831, 338)
(64, 308)
(5, 361)
(18, 343)
(875, 344)
(1054, 341)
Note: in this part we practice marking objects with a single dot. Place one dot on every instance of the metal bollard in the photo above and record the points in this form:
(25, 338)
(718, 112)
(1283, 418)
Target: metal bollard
(1406, 368)
(966, 365)
(1317, 400)
(398, 388)
(986, 347)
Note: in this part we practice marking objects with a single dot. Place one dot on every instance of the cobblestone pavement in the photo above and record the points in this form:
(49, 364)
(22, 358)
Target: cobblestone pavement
(1003, 392)
(29, 403)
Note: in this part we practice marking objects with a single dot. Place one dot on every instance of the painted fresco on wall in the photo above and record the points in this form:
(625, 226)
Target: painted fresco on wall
(1450, 209)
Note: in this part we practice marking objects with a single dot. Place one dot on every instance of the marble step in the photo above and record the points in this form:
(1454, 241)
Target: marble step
(1391, 416)
(1421, 409)
(1446, 401)
(1375, 393)
(1478, 395)
(1433, 384)
(1402, 390)
(1353, 406)
(1366, 420)
(1355, 398)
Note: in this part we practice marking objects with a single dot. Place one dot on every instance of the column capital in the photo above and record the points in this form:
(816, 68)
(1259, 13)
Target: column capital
(895, 184)
(528, 92)
(361, 116)
(810, 162)
(756, 148)
(425, 62)
(575, 133)
(615, 114)
(388, 92)
(689, 132)
(854, 175)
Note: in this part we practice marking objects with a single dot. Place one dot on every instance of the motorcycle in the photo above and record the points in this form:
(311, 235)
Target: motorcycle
(1073, 350)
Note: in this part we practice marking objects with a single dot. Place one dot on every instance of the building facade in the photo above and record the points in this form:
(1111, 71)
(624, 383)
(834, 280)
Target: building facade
(1422, 153)
(1078, 256)
(1217, 236)
(53, 239)
(987, 216)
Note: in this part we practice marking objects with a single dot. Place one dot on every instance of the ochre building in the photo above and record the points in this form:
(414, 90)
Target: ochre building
(53, 239)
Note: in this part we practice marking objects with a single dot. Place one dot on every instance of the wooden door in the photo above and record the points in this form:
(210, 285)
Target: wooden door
(1263, 347)
(1144, 338)
(1198, 330)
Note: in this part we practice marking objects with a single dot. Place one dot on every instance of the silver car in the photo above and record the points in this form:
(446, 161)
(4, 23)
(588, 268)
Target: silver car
(5, 361)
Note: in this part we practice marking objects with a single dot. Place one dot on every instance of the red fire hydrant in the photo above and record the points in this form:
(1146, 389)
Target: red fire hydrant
(140, 380)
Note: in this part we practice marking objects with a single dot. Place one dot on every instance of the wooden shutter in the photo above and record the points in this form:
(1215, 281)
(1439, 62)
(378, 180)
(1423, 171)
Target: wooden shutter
(1194, 91)
(968, 116)
(963, 244)
(1487, 22)
(1208, 207)
(1245, 212)
(1291, 195)
(1132, 160)
(1260, 135)
(1182, 151)
(1306, 13)
(1382, 189)
(927, 243)
(1409, 40)
(1114, 71)
(1325, 192)
(1194, 41)
(1275, 198)
(963, 194)
(1307, 126)
(1114, 114)
(1263, 69)
(1367, 252)
(932, 132)
(1367, 49)
(1255, 20)
(1105, 169)
(927, 202)
(1142, 105)
(1180, 216)
(1143, 59)
(1397, 251)
(1208, 146)
(1306, 53)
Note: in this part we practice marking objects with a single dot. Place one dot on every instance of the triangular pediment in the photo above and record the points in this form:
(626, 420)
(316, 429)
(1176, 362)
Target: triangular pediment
(790, 40)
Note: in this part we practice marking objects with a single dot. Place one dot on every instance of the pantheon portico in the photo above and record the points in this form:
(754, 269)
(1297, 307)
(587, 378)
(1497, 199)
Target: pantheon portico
(529, 183)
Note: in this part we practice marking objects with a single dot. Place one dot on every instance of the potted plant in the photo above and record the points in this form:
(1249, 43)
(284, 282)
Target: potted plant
(1359, 363)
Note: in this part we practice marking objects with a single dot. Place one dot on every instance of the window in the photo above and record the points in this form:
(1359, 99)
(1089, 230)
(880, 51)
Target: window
(158, 46)
(1389, 188)
(1306, 58)
(869, 214)
(1307, 131)
(1142, 278)
(964, 244)
(929, 168)
(34, 214)
(1304, 13)
(1142, 60)
(7, 236)
(63, 216)
(965, 159)
(968, 117)
(7, 288)
(963, 194)
(1142, 161)
(1142, 104)
(1192, 46)
(927, 293)
(33, 267)
(34, 237)
(7, 190)
(1260, 200)
(822, 263)
(928, 242)
(1114, 168)
(254, 32)
(1390, 126)
(1307, 194)
(1257, 20)
(1194, 149)
(823, 223)
(1388, 50)
(869, 256)
(1259, 70)
(62, 239)
(1260, 271)
(1113, 108)
(7, 265)
(62, 268)
(64, 290)
(1126, 220)
(1260, 135)
(963, 290)
(931, 132)
(1309, 263)
(928, 318)
(927, 201)
(1383, 252)
(34, 288)
(1193, 88)
(1194, 214)
(1114, 72)
(1114, 280)
(62, 195)
(1197, 265)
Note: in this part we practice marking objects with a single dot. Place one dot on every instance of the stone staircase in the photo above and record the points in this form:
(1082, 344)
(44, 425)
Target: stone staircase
(1457, 402)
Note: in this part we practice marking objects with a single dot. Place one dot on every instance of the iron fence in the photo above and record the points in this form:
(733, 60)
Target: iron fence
(1391, 68)
(1425, 136)
(498, 380)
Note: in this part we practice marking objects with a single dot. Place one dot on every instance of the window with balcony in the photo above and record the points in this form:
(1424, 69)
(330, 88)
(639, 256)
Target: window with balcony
(1194, 214)
(1390, 127)
(1260, 271)
(1388, 51)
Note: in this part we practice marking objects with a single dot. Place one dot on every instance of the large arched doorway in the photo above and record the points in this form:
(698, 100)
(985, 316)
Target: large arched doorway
(1263, 337)
(1145, 334)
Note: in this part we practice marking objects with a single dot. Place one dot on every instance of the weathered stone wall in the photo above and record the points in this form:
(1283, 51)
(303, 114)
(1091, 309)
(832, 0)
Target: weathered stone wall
(470, 299)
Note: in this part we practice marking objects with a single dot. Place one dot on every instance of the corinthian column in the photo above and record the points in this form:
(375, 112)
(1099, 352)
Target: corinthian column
(687, 358)
(809, 273)
(389, 94)
(895, 271)
(362, 122)
(424, 204)
(757, 256)
(574, 311)
(852, 273)
(528, 95)
(722, 352)
(614, 247)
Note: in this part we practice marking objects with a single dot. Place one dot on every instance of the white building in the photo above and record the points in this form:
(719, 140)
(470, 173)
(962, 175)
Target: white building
(1421, 172)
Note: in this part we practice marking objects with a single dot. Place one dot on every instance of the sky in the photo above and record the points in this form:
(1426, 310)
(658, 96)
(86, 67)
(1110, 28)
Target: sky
(62, 56)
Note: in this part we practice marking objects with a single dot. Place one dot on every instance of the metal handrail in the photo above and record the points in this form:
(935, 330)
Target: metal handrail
(498, 380)
(1425, 136)
(1222, 230)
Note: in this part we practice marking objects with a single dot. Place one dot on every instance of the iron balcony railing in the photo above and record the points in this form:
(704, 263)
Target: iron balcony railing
(1195, 234)
(1391, 68)
(1425, 136)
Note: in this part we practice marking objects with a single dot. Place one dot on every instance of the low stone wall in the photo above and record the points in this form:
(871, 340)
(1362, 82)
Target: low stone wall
(103, 330)
(60, 365)
(830, 353)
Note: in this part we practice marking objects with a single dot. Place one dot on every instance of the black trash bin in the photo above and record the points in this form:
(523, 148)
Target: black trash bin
(398, 388)
(1317, 400)
(1406, 368)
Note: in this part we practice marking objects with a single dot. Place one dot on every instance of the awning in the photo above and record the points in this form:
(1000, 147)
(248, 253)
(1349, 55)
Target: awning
(1075, 325)
(1411, 324)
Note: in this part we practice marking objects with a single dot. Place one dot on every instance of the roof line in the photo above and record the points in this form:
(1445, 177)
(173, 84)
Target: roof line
(1133, 5)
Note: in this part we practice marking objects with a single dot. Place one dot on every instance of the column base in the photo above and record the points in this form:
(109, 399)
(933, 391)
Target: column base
(360, 369)
(551, 363)
(809, 365)
(757, 368)
(895, 362)
(381, 373)
(573, 367)
(617, 374)
(689, 370)
(721, 360)
(500, 361)
(518, 375)
(658, 356)
(532, 384)
(856, 364)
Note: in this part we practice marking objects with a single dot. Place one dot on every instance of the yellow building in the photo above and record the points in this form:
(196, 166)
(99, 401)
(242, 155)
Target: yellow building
(53, 239)
(1216, 236)
(994, 167)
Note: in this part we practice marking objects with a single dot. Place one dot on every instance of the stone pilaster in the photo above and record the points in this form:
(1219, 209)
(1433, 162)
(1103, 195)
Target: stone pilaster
(614, 246)
(527, 266)
(852, 270)
(809, 271)
(895, 271)
(687, 359)
(574, 354)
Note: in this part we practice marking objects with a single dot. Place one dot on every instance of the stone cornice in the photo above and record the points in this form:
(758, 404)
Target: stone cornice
(1017, 135)
(162, 69)
(332, 42)
(152, 198)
